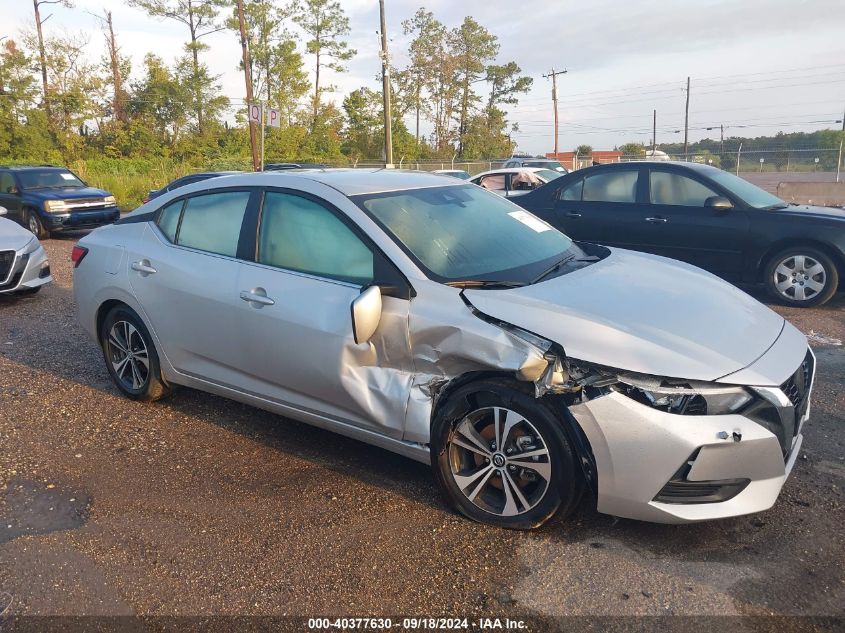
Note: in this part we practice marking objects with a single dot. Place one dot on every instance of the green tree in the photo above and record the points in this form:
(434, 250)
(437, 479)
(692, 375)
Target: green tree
(632, 149)
(505, 84)
(472, 47)
(584, 150)
(200, 17)
(277, 69)
(364, 125)
(326, 24)
(160, 100)
(428, 78)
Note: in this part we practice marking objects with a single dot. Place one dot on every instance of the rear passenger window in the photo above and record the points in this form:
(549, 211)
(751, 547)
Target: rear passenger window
(168, 219)
(299, 234)
(573, 191)
(7, 182)
(674, 189)
(611, 186)
(213, 222)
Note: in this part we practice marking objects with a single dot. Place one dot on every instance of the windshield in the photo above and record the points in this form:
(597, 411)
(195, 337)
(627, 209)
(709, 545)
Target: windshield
(464, 232)
(548, 174)
(749, 193)
(48, 179)
(545, 164)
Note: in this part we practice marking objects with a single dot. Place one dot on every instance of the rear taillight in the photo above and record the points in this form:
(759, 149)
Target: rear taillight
(77, 255)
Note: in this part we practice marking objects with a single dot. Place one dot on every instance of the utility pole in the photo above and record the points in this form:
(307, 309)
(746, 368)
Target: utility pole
(42, 55)
(654, 136)
(553, 76)
(721, 140)
(686, 125)
(248, 79)
(385, 78)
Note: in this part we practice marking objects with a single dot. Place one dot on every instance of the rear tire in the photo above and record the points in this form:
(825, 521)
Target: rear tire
(34, 224)
(501, 456)
(130, 356)
(801, 276)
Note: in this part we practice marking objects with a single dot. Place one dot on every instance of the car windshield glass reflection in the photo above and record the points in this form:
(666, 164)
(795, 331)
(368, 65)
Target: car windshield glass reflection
(464, 232)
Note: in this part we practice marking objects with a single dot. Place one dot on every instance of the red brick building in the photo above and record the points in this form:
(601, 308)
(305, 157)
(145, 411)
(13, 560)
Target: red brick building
(568, 160)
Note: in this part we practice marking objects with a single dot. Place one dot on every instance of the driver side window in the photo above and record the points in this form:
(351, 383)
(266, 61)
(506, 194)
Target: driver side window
(677, 190)
(7, 183)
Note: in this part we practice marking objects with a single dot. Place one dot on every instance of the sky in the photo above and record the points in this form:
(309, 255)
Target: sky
(755, 66)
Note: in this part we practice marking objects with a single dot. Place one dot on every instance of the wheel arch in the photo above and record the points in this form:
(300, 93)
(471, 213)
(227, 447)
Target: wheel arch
(559, 404)
(829, 250)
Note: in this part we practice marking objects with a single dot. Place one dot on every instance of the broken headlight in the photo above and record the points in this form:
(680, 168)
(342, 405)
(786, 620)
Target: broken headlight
(672, 395)
(683, 397)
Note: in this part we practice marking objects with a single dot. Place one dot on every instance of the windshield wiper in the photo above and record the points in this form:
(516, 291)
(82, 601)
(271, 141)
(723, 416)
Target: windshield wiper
(554, 268)
(485, 283)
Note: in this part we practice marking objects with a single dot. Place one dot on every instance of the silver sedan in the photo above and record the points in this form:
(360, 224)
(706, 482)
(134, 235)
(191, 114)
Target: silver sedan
(24, 267)
(438, 320)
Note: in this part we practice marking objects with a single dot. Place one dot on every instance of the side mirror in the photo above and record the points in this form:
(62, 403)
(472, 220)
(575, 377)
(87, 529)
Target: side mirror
(3, 211)
(366, 314)
(720, 203)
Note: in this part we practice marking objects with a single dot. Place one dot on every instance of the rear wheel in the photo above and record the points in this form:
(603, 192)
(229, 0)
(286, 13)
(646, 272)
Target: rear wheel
(130, 355)
(500, 456)
(801, 276)
(34, 224)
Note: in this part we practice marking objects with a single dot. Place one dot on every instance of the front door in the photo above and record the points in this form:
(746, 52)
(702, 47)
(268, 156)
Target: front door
(296, 326)
(677, 223)
(10, 197)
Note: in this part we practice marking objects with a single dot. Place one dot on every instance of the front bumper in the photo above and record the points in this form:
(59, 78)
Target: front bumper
(29, 270)
(78, 220)
(638, 450)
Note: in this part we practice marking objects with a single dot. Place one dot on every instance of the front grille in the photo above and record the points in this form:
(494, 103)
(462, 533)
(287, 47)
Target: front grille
(797, 388)
(85, 203)
(7, 258)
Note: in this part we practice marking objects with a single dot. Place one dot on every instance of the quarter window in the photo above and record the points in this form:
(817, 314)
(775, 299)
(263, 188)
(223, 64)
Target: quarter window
(611, 186)
(168, 219)
(299, 234)
(213, 222)
(674, 189)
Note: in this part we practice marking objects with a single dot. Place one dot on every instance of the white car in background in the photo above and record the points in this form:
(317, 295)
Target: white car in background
(432, 318)
(516, 181)
(24, 267)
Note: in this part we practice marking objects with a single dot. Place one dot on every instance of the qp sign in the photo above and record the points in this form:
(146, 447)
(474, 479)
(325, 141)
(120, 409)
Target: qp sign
(255, 113)
(274, 118)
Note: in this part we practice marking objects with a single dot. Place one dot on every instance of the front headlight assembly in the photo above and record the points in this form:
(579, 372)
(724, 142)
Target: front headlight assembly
(672, 395)
(55, 206)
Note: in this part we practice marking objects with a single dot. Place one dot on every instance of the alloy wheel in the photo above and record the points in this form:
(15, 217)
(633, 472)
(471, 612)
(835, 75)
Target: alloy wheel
(800, 277)
(33, 226)
(128, 355)
(499, 461)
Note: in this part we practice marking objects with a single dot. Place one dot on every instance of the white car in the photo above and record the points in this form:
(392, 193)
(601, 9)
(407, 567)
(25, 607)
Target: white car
(515, 181)
(440, 321)
(24, 267)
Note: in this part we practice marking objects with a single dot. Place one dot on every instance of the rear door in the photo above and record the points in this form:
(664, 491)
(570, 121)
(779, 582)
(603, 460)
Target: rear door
(676, 223)
(184, 272)
(601, 207)
(295, 330)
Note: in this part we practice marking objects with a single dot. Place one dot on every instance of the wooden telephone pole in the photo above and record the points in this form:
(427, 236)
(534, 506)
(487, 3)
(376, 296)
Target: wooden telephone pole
(686, 125)
(385, 78)
(553, 76)
(256, 159)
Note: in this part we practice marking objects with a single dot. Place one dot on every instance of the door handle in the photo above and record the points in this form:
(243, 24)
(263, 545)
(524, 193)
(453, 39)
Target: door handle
(657, 220)
(573, 214)
(143, 267)
(257, 296)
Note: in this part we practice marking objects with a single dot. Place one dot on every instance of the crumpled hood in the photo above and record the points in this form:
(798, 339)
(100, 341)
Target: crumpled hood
(70, 193)
(642, 313)
(13, 236)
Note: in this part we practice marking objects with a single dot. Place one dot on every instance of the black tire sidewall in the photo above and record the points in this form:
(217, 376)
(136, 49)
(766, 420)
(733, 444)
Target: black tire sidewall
(123, 313)
(831, 282)
(32, 214)
(564, 488)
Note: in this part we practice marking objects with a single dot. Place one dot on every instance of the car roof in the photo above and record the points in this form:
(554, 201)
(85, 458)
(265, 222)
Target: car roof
(348, 181)
(40, 167)
(656, 163)
(510, 170)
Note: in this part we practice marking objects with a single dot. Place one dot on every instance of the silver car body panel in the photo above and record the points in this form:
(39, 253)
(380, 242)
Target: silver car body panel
(297, 357)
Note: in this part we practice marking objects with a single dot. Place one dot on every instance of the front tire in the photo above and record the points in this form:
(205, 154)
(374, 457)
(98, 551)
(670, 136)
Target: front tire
(130, 356)
(501, 456)
(801, 277)
(34, 224)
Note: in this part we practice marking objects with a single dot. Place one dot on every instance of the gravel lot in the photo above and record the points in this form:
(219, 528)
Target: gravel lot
(198, 505)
